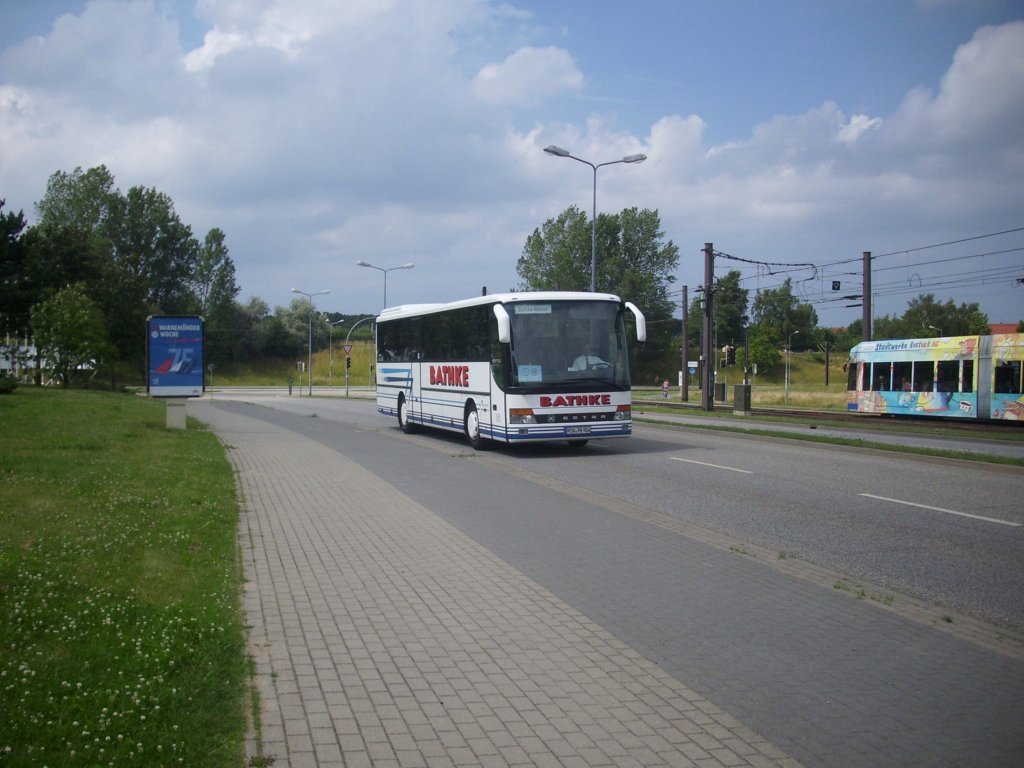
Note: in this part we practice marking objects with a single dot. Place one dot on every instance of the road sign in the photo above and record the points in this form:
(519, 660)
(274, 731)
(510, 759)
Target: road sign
(347, 348)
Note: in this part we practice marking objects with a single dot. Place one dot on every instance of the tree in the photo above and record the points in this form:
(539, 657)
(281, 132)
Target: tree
(633, 261)
(730, 308)
(15, 292)
(70, 334)
(251, 328)
(214, 287)
(781, 315)
(764, 350)
(556, 257)
(925, 317)
(640, 265)
(132, 252)
(213, 280)
(80, 199)
(150, 243)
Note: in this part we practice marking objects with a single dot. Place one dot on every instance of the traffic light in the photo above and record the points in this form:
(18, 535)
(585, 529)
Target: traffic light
(348, 362)
(730, 355)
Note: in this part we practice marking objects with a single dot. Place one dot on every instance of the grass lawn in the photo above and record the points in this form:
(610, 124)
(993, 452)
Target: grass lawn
(121, 637)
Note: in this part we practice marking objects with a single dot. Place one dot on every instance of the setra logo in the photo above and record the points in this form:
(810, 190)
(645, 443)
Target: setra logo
(449, 375)
(574, 401)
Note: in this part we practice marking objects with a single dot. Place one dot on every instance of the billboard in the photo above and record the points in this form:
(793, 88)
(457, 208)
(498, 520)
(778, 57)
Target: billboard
(174, 356)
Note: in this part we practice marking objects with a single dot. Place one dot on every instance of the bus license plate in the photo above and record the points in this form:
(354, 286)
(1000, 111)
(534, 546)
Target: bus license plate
(577, 430)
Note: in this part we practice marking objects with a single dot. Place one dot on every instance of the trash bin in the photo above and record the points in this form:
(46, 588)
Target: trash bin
(741, 399)
(720, 392)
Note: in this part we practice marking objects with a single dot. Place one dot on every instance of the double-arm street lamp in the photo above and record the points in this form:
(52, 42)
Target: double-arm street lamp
(309, 372)
(410, 265)
(348, 346)
(559, 152)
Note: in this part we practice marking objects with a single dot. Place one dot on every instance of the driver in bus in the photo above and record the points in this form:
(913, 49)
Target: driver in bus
(586, 360)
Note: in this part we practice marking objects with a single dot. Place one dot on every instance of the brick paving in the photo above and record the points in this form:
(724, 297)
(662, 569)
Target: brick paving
(382, 636)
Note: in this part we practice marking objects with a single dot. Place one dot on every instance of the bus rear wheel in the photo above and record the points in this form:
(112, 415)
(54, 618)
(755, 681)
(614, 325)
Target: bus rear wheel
(472, 428)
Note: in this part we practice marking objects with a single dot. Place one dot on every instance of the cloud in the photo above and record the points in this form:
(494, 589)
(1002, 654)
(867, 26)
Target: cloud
(979, 96)
(960, 148)
(282, 25)
(320, 133)
(88, 61)
(527, 77)
(854, 129)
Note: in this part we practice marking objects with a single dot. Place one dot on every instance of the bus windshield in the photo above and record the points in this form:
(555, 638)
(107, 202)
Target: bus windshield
(570, 344)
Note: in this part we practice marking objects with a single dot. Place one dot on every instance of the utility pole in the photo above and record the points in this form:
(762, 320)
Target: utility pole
(684, 392)
(865, 317)
(707, 351)
(826, 347)
(746, 355)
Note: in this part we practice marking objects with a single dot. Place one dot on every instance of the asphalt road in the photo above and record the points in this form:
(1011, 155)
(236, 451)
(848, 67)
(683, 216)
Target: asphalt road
(733, 561)
(946, 532)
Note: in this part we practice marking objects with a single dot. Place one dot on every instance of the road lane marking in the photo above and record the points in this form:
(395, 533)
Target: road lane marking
(941, 509)
(716, 466)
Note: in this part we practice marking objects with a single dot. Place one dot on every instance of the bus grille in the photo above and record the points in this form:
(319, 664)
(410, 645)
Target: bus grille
(574, 418)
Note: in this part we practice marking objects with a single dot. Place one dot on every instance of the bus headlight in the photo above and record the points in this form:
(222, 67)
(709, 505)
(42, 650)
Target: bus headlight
(623, 413)
(521, 416)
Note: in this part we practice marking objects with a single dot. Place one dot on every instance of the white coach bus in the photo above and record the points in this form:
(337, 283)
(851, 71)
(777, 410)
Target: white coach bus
(516, 367)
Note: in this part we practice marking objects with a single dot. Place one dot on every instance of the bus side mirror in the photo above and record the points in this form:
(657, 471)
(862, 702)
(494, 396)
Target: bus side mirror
(504, 324)
(641, 322)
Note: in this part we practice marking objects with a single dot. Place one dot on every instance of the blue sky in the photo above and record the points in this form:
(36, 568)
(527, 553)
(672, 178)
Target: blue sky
(317, 134)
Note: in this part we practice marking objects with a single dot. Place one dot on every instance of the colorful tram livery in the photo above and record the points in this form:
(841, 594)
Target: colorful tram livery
(970, 377)
(525, 367)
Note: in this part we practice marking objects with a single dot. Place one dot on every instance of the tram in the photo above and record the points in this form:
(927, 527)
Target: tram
(963, 377)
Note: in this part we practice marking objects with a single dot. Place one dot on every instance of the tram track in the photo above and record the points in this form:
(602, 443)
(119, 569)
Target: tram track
(845, 417)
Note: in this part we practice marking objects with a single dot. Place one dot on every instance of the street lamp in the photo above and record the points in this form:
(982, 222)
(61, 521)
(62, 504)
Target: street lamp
(937, 330)
(789, 351)
(559, 152)
(330, 352)
(308, 295)
(410, 265)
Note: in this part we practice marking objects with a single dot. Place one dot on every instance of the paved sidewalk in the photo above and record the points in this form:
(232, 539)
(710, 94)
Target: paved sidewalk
(383, 636)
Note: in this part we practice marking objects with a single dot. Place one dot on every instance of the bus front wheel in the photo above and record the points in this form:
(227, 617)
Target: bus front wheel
(403, 416)
(472, 428)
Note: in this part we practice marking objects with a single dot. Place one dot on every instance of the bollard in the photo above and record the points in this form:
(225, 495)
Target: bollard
(176, 412)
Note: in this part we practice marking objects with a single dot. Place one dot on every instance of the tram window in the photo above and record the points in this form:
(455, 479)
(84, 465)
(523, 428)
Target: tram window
(967, 381)
(881, 377)
(949, 375)
(924, 376)
(1008, 378)
(852, 382)
(903, 376)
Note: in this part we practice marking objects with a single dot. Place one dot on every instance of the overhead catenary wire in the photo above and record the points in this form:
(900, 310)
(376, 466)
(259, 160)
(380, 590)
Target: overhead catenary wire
(832, 270)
